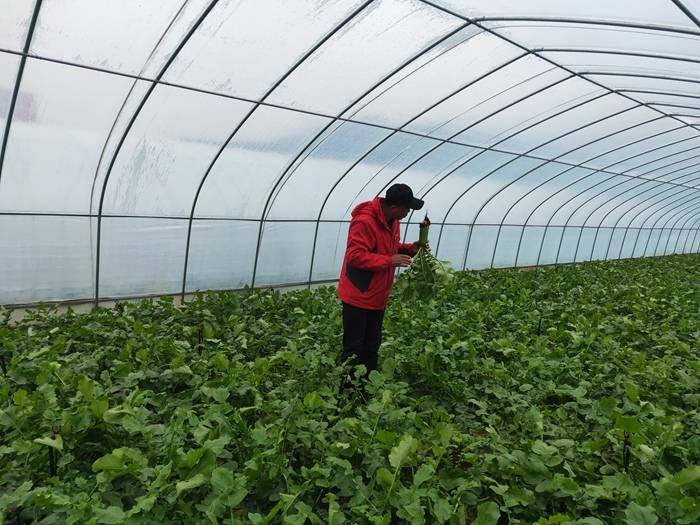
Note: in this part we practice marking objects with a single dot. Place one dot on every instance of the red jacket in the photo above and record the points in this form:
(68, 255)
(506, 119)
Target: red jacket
(367, 274)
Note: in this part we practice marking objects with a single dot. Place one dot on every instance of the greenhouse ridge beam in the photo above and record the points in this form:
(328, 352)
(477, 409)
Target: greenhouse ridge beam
(673, 105)
(663, 93)
(18, 82)
(604, 73)
(585, 21)
(682, 115)
(150, 90)
(240, 125)
(613, 52)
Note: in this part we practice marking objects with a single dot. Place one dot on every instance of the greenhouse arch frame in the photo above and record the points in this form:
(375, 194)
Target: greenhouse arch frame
(210, 144)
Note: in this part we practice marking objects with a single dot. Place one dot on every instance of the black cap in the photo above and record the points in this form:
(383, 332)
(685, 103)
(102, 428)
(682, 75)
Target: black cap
(402, 195)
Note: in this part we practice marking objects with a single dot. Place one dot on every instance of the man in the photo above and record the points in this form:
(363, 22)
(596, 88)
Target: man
(373, 252)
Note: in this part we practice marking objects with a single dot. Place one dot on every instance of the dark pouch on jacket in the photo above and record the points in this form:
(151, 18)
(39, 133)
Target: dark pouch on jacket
(361, 279)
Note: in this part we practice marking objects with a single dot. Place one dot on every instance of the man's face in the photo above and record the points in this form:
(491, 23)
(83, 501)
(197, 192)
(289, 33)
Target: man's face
(400, 211)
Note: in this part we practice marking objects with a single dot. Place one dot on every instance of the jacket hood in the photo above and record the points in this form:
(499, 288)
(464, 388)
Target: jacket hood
(371, 209)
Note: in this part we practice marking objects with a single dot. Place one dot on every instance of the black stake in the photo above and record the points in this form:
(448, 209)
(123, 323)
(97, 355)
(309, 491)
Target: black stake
(626, 452)
(52, 462)
(53, 466)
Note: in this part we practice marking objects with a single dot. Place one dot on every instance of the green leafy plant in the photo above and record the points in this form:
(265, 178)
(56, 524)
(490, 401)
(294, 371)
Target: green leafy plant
(426, 274)
(583, 410)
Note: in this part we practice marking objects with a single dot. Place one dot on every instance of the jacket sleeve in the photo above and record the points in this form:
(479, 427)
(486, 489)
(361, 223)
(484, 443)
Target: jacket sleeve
(360, 244)
(407, 248)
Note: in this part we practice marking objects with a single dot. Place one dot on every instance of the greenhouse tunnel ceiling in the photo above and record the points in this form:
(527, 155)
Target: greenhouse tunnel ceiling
(168, 147)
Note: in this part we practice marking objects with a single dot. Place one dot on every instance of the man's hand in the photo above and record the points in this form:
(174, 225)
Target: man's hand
(400, 260)
(416, 246)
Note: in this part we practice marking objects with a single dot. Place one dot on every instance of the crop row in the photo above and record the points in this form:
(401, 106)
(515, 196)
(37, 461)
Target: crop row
(565, 395)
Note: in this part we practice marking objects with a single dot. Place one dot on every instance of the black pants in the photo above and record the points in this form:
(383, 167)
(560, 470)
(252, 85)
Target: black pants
(362, 335)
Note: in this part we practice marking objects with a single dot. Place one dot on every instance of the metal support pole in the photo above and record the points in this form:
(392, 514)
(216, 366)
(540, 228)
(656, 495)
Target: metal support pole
(679, 201)
(615, 196)
(384, 140)
(487, 201)
(18, 83)
(680, 216)
(532, 212)
(500, 110)
(498, 233)
(240, 125)
(688, 203)
(160, 75)
(629, 224)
